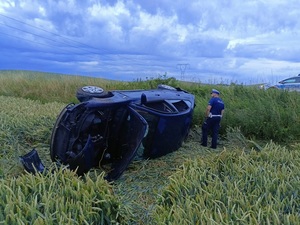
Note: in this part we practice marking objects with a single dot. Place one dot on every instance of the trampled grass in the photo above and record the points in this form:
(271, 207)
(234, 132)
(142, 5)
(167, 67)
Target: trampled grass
(25, 124)
(242, 182)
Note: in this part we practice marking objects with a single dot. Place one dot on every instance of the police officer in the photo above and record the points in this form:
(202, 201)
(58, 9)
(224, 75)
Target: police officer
(213, 115)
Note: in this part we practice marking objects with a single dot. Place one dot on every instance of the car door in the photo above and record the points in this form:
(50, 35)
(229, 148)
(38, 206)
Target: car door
(296, 86)
(290, 84)
(135, 131)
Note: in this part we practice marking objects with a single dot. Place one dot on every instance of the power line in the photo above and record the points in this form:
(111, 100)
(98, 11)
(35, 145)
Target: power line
(68, 39)
(58, 35)
(26, 39)
(44, 44)
(36, 43)
(43, 37)
(15, 28)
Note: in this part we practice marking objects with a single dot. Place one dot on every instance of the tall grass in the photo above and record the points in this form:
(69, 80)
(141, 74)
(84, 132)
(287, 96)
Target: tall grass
(260, 114)
(265, 115)
(59, 198)
(234, 188)
(269, 115)
(241, 182)
(45, 87)
(49, 87)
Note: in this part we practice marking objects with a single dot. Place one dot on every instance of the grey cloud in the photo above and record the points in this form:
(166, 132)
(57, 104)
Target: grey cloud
(131, 39)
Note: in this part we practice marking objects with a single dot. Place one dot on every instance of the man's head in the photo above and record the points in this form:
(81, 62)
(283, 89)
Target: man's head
(215, 93)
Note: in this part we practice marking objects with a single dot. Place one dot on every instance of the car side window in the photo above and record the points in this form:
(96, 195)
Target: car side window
(288, 81)
(161, 106)
(180, 105)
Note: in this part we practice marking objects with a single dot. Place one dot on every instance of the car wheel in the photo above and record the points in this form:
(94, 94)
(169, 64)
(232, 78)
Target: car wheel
(85, 93)
(166, 87)
(272, 88)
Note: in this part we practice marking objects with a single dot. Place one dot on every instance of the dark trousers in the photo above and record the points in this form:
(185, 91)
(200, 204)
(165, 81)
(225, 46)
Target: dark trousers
(211, 124)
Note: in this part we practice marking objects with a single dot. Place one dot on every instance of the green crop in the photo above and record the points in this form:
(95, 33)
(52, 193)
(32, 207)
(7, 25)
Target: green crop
(252, 178)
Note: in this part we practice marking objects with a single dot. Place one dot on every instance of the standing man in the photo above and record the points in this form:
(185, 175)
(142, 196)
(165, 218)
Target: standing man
(213, 115)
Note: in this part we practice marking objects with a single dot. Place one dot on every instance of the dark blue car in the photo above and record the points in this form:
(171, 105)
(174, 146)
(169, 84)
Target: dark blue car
(110, 129)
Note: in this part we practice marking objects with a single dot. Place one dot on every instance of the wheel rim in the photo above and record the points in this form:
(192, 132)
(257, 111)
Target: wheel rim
(92, 89)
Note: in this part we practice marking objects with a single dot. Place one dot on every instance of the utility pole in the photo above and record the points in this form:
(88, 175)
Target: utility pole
(182, 67)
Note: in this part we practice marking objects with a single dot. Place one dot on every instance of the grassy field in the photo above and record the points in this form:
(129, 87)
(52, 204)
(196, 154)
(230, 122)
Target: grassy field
(252, 178)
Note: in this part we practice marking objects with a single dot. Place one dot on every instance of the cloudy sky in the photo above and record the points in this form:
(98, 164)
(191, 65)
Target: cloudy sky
(249, 41)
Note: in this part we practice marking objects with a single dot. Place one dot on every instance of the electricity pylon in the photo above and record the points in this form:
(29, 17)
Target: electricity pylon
(182, 67)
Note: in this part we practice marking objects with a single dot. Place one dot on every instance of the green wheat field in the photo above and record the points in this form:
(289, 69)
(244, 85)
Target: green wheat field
(251, 178)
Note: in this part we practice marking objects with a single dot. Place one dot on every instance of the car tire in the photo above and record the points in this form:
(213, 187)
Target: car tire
(273, 88)
(86, 93)
(166, 87)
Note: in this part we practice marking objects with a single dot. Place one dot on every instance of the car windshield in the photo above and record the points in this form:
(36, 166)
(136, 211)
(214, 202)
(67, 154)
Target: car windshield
(152, 121)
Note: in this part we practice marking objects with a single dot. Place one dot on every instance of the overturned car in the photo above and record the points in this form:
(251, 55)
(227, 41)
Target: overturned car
(109, 129)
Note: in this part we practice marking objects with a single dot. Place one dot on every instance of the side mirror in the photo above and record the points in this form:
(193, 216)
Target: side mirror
(32, 162)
